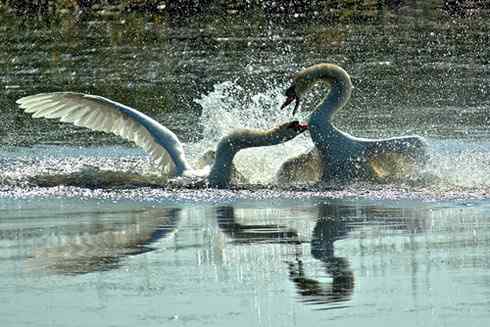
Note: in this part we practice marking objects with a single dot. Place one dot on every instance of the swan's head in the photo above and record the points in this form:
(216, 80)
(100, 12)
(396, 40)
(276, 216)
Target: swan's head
(290, 130)
(245, 138)
(305, 79)
(291, 96)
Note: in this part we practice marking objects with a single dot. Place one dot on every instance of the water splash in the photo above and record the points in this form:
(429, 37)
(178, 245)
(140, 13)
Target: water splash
(230, 106)
(89, 167)
(458, 168)
(461, 163)
(455, 164)
(225, 109)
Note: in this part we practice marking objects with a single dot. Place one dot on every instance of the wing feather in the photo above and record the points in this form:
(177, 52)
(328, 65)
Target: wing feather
(57, 110)
(101, 114)
(51, 111)
(46, 106)
(84, 121)
(40, 103)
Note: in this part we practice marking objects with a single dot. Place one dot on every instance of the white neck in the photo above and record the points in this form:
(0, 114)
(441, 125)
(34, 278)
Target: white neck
(220, 174)
(230, 145)
(339, 94)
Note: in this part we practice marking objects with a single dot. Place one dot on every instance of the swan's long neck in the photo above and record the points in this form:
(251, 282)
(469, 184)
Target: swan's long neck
(231, 144)
(339, 94)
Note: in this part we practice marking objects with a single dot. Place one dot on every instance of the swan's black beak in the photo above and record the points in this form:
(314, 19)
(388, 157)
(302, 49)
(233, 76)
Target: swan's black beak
(290, 97)
(288, 101)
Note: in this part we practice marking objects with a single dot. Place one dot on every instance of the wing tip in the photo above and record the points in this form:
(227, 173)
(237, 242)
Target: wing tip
(46, 96)
(34, 97)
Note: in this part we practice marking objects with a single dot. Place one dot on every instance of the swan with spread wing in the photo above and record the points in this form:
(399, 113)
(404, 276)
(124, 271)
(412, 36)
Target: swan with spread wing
(337, 154)
(102, 114)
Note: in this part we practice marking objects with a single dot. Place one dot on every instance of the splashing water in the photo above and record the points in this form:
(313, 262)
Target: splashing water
(460, 163)
(457, 168)
(229, 107)
(454, 165)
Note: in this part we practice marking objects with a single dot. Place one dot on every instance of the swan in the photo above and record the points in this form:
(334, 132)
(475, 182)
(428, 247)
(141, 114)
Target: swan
(102, 114)
(343, 157)
(302, 168)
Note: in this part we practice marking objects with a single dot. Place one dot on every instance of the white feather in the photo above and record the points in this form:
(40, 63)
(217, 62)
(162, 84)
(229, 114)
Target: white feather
(162, 145)
(101, 114)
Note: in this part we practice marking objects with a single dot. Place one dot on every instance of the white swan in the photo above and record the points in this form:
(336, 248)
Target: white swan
(342, 156)
(101, 114)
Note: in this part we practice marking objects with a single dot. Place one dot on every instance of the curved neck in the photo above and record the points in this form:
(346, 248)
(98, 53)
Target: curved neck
(230, 145)
(338, 95)
(220, 174)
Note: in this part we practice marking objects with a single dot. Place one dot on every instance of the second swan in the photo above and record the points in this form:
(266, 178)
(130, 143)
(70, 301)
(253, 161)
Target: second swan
(338, 155)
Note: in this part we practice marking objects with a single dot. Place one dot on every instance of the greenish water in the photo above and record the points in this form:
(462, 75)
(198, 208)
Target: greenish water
(90, 234)
(416, 73)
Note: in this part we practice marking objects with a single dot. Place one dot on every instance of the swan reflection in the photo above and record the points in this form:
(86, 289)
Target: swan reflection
(102, 244)
(338, 222)
(256, 233)
(324, 234)
(327, 230)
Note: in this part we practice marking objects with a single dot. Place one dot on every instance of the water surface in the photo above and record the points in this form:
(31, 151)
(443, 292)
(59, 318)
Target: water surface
(262, 262)
(92, 234)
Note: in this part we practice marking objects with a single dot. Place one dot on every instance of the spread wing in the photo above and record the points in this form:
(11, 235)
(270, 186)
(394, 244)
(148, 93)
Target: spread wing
(101, 114)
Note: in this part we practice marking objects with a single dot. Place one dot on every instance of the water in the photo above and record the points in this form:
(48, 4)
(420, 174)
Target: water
(91, 233)
(262, 262)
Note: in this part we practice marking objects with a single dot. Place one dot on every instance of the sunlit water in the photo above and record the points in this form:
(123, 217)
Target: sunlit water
(92, 234)
(252, 262)
(458, 168)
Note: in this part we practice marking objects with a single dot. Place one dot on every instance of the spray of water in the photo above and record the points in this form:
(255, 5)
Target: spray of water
(454, 164)
(229, 107)
(457, 166)
(460, 164)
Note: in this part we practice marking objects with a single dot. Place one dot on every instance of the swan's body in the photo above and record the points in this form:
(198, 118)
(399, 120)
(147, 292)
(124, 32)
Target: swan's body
(101, 114)
(302, 168)
(343, 156)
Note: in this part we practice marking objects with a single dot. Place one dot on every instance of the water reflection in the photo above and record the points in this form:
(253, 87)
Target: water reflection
(256, 233)
(334, 223)
(100, 244)
(260, 262)
(327, 230)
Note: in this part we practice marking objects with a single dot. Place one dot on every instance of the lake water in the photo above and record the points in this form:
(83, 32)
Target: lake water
(91, 234)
